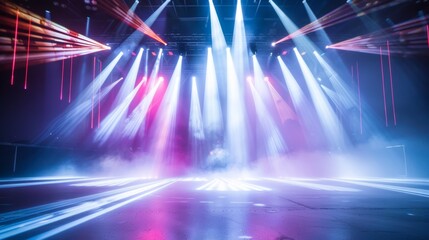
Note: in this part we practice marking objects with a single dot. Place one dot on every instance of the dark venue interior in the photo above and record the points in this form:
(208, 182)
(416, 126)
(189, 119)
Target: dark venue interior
(214, 119)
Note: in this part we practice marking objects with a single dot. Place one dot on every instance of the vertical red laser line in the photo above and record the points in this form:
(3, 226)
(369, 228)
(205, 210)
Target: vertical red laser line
(391, 84)
(99, 101)
(71, 78)
(28, 54)
(15, 40)
(360, 103)
(382, 82)
(62, 81)
(93, 92)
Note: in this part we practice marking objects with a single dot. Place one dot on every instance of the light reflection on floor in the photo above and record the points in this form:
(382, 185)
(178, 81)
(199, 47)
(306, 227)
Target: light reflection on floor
(213, 208)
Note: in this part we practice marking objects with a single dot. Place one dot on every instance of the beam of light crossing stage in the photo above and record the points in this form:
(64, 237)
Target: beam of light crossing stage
(19, 215)
(218, 47)
(110, 126)
(236, 127)
(274, 143)
(66, 123)
(284, 111)
(119, 10)
(151, 19)
(314, 186)
(413, 32)
(303, 42)
(165, 120)
(321, 33)
(49, 41)
(196, 128)
(239, 46)
(130, 80)
(331, 125)
(103, 204)
(389, 187)
(212, 113)
(155, 69)
(346, 99)
(301, 104)
(218, 38)
(135, 122)
(343, 13)
(195, 117)
(260, 82)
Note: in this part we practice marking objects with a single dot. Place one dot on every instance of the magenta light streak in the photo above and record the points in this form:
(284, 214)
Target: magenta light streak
(391, 84)
(15, 40)
(28, 55)
(71, 78)
(360, 103)
(382, 82)
(62, 81)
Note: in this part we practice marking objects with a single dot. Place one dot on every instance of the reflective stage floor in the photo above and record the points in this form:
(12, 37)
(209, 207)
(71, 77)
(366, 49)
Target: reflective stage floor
(215, 208)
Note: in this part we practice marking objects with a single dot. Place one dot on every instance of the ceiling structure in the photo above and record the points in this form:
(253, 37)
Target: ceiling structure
(185, 24)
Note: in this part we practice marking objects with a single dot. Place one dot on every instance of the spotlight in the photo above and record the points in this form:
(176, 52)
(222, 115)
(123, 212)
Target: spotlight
(170, 53)
(273, 44)
(266, 79)
(161, 79)
(249, 79)
(153, 53)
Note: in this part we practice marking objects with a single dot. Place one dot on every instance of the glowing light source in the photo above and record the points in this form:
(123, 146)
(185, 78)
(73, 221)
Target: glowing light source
(330, 123)
(55, 42)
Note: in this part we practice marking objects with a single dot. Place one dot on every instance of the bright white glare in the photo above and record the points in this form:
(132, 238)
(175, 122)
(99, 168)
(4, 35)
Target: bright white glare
(346, 99)
(221, 184)
(239, 44)
(272, 138)
(212, 114)
(218, 38)
(67, 122)
(195, 118)
(273, 44)
(165, 121)
(155, 69)
(130, 80)
(135, 122)
(330, 124)
(109, 125)
(103, 206)
(315, 186)
(236, 128)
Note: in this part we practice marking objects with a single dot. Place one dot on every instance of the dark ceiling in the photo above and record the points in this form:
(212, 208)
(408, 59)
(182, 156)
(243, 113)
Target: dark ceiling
(185, 24)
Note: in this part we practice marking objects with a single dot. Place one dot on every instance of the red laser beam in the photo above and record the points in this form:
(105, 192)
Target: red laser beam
(349, 10)
(15, 40)
(121, 11)
(50, 41)
(409, 38)
(28, 54)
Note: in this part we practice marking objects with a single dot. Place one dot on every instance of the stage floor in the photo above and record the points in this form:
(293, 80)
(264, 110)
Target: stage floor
(215, 208)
